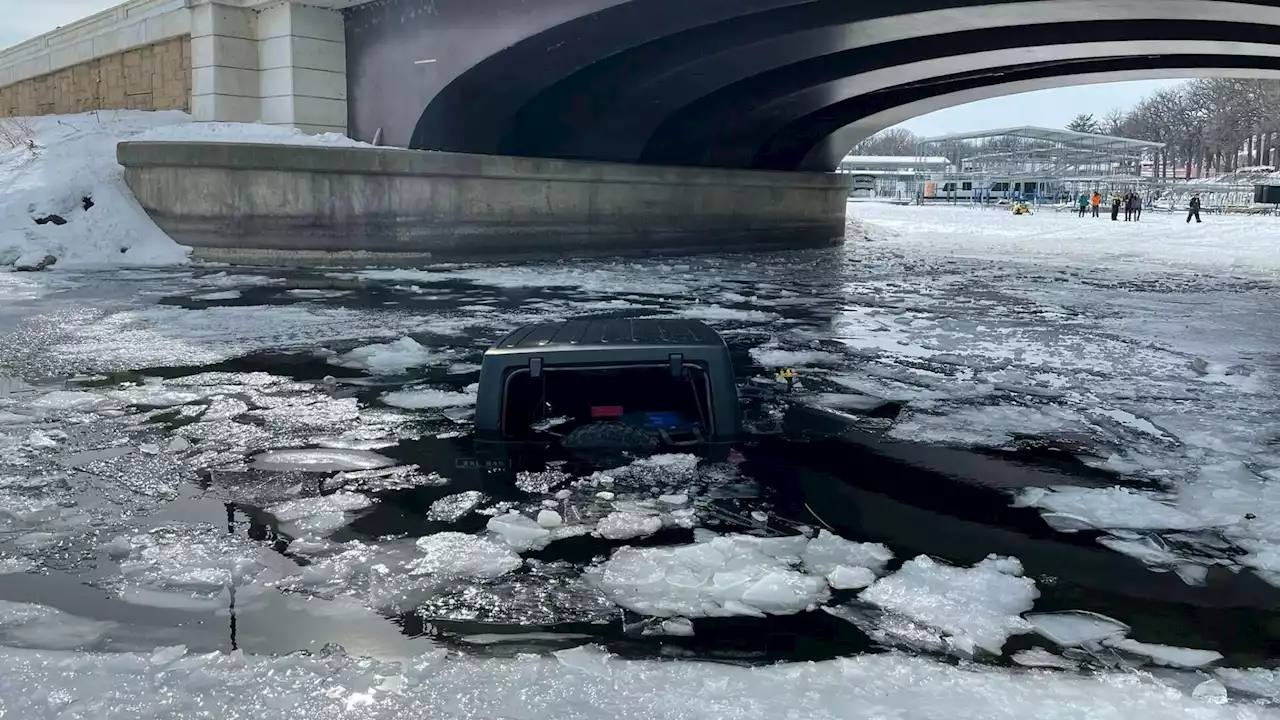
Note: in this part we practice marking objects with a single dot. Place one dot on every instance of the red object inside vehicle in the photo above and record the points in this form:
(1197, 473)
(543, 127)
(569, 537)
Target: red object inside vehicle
(601, 411)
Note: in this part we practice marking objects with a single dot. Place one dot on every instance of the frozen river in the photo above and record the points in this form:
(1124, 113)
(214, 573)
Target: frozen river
(268, 461)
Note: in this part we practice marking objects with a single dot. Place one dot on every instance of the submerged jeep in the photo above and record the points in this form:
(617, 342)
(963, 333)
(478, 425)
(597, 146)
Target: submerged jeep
(609, 384)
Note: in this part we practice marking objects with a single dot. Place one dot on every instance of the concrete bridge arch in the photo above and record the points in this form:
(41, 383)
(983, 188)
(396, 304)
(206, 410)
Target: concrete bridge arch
(751, 84)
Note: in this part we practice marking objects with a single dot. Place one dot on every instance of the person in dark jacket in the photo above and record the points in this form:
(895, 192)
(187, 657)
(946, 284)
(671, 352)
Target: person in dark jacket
(1137, 207)
(1115, 207)
(1193, 210)
(1128, 207)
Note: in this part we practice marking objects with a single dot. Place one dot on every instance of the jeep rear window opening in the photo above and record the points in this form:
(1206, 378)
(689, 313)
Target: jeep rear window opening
(588, 393)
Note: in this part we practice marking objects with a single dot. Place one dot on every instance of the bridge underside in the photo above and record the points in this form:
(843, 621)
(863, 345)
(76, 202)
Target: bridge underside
(752, 84)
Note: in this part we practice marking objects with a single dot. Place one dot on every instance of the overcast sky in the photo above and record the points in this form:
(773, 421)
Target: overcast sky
(23, 19)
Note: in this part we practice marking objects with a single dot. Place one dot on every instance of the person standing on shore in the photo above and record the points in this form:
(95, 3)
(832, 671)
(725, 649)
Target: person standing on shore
(1137, 207)
(1084, 204)
(1194, 209)
(1115, 207)
(1096, 201)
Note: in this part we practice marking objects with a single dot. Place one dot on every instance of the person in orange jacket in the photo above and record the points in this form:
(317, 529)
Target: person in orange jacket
(1096, 202)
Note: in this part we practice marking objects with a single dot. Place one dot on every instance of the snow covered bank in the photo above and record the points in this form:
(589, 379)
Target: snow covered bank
(62, 193)
(578, 684)
(1235, 243)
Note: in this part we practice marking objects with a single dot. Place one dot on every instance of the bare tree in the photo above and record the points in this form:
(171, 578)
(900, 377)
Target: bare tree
(894, 141)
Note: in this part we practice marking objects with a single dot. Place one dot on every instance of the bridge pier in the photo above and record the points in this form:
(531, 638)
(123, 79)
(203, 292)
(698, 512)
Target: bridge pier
(263, 204)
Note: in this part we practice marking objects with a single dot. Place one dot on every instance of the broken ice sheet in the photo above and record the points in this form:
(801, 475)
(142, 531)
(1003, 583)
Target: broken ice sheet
(976, 607)
(1113, 507)
(1166, 654)
(1072, 628)
(451, 508)
(540, 595)
(321, 460)
(724, 576)
(27, 625)
(318, 515)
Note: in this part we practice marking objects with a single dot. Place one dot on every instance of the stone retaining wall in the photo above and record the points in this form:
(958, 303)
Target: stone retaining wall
(152, 77)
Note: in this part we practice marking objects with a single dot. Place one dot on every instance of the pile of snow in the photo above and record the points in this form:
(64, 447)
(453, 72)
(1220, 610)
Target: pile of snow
(431, 398)
(978, 607)
(255, 133)
(725, 576)
(74, 159)
(391, 358)
(581, 683)
(67, 176)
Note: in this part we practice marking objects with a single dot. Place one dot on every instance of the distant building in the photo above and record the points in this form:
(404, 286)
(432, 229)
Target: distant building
(889, 175)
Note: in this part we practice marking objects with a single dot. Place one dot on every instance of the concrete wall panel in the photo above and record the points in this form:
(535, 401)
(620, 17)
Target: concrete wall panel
(277, 204)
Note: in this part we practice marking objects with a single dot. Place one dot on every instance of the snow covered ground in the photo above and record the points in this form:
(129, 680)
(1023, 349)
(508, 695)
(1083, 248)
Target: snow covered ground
(182, 447)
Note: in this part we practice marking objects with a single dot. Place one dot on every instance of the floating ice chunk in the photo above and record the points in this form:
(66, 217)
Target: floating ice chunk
(1261, 682)
(72, 401)
(40, 441)
(457, 555)
(626, 525)
(587, 659)
(319, 515)
(605, 495)
(429, 398)
(12, 565)
(977, 607)
(1212, 691)
(1114, 507)
(451, 508)
(321, 460)
(1147, 549)
(549, 519)
(173, 563)
(786, 547)
(828, 551)
(726, 575)
(772, 357)
(847, 401)
(678, 626)
(8, 418)
(167, 655)
(844, 577)
(1041, 658)
(155, 395)
(717, 313)
(1072, 628)
(391, 358)
(38, 626)
(680, 499)
(1166, 654)
(224, 295)
(519, 532)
